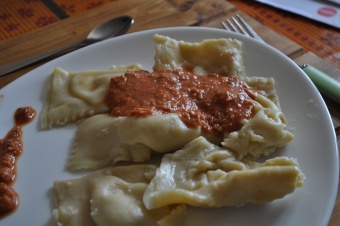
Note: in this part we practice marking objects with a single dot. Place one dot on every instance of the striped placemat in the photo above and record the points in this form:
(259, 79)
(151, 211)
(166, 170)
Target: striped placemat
(21, 16)
(314, 36)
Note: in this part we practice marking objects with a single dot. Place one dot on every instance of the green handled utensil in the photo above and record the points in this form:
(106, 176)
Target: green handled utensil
(327, 85)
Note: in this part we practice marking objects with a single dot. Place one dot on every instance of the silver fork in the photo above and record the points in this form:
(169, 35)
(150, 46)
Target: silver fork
(239, 25)
(325, 83)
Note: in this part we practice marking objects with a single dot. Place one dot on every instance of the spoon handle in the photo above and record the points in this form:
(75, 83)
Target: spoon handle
(5, 69)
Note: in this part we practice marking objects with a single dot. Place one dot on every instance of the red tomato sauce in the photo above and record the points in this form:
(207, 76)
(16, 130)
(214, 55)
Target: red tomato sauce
(214, 102)
(10, 150)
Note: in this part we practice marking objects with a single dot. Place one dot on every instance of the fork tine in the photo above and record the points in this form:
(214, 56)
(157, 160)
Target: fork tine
(240, 28)
(248, 28)
(239, 25)
(225, 26)
(232, 25)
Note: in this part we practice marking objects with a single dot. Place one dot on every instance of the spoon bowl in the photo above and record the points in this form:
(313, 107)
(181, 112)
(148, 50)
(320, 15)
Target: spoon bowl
(108, 29)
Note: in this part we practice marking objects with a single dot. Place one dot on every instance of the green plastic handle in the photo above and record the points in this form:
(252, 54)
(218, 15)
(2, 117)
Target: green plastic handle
(327, 85)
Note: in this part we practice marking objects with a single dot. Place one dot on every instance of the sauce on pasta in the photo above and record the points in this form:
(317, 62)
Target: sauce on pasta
(216, 103)
(10, 150)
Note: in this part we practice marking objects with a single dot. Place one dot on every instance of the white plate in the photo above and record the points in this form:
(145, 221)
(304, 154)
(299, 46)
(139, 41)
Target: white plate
(45, 152)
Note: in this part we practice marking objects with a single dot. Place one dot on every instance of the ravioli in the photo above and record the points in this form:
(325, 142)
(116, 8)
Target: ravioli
(205, 175)
(221, 56)
(112, 197)
(103, 140)
(265, 84)
(72, 96)
(262, 134)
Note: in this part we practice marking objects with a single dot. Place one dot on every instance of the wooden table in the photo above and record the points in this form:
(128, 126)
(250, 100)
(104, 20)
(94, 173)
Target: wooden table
(155, 14)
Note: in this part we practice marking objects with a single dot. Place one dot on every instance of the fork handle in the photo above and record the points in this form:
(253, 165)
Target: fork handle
(327, 85)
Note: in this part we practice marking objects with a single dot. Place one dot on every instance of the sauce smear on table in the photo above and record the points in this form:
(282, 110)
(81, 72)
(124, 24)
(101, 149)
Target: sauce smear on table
(214, 102)
(10, 150)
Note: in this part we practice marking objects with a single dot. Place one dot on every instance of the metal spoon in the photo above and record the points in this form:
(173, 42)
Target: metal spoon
(111, 28)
